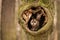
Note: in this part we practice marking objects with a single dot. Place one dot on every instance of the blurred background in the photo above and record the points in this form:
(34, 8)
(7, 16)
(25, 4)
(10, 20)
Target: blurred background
(8, 20)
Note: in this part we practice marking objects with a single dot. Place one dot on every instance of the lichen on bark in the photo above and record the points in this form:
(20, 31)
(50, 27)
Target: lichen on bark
(25, 9)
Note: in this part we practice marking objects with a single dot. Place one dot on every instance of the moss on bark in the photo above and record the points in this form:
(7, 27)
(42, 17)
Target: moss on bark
(41, 34)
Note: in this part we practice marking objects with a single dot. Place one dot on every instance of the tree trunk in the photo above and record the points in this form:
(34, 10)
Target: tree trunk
(27, 31)
(28, 20)
(8, 25)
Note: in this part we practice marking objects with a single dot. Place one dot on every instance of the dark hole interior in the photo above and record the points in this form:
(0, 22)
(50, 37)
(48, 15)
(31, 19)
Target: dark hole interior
(41, 21)
(34, 16)
(33, 8)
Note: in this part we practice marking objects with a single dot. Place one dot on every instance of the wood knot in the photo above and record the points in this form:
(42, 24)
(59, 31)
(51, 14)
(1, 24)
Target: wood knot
(35, 18)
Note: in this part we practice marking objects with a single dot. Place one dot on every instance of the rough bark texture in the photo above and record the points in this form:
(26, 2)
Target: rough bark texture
(0, 17)
(44, 33)
(8, 20)
(58, 19)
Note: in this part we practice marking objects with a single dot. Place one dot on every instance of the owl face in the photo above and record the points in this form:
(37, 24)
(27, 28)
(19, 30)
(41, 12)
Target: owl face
(34, 22)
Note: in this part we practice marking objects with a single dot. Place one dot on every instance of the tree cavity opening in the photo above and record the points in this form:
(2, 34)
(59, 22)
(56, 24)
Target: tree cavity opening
(35, 18)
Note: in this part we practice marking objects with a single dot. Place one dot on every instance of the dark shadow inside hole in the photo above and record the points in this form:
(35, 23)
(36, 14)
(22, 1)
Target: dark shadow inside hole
(33, 8)
(29, 25)
(41, 21)
(24, 19)
(33, 16)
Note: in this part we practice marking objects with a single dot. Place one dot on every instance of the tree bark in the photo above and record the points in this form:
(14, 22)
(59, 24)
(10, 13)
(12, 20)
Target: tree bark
(26, 33)
(8, 20)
